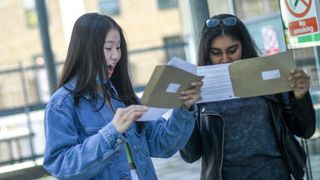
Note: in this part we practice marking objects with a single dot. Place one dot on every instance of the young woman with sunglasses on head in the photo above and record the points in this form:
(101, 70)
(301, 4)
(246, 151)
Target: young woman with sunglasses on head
(91, 123)
(248, 138)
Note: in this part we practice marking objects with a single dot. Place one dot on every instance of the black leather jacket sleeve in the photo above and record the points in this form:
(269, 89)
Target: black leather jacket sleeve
(192, 151)
(299, 114)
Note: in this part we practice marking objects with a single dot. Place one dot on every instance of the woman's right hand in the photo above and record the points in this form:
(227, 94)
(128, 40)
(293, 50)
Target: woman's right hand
(300, 83)
(124, 117)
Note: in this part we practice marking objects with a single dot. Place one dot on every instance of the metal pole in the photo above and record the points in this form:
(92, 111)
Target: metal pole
(308, 165)
(304, 144)
(27, 109)
(199, 13)
(46, 45)
(232, 7)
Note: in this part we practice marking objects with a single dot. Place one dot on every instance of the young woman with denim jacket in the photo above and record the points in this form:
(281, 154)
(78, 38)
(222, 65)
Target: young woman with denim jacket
(248, 138)
(90, 121)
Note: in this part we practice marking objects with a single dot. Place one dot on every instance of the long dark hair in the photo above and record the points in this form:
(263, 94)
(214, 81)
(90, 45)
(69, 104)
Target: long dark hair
(85, 60)
(238, 31)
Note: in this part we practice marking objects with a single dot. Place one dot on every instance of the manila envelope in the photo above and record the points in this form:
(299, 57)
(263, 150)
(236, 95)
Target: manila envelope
(262, 75)
(164, 87)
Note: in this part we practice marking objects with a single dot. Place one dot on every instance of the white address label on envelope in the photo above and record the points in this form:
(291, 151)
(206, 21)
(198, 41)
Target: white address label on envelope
(273, 74)
(173, 88)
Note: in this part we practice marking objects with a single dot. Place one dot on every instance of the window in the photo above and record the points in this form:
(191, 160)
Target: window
(274, 6)
(165, 4)
(30, 13)
(219, 6)
(174, 47)
(109, 7)
(252, 8)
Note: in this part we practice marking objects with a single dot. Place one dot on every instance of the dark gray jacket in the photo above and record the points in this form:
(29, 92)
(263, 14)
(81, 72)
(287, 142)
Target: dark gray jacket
(289, 117)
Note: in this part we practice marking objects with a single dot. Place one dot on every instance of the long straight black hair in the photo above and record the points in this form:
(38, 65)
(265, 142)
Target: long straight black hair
(238, 31)
(85, 60)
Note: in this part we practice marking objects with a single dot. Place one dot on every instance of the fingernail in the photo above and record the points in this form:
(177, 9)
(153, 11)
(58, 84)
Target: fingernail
(289, 78)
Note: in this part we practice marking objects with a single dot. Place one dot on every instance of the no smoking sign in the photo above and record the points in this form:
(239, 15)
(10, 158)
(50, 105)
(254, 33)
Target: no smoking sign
(298, 8)
(302, 17)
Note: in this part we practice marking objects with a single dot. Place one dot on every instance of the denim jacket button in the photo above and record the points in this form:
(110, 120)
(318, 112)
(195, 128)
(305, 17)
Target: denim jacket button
(119, 141)
(135, 147)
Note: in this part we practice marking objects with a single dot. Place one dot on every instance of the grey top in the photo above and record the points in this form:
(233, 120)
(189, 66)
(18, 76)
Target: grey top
(250, 145)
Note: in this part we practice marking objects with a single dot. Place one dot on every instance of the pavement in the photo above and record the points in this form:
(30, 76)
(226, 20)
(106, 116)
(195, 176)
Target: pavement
(315, 164)
(175, 168)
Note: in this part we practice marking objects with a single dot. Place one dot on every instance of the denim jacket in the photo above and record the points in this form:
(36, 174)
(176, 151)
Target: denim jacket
(82, 143)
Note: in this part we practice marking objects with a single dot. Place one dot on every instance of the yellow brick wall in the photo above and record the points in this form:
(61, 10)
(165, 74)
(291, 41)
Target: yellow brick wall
(143, 23)
(21, 43)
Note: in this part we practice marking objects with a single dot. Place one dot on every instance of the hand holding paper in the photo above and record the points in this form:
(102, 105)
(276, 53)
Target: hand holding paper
(170, 86)
(300, 82)
(190, 96)
(167, 82)
(124, 117)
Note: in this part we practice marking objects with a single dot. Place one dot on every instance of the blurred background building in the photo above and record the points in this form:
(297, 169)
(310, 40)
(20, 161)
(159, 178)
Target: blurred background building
(156, 30)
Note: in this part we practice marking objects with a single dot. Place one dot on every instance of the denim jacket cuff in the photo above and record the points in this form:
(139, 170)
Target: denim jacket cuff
(112, 136)
(191, 111)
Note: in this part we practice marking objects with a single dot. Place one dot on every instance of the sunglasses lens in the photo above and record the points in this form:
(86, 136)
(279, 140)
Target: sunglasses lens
(229, 21)
(212, 23)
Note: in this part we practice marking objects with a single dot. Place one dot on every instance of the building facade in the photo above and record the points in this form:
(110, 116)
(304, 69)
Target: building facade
(152, 29)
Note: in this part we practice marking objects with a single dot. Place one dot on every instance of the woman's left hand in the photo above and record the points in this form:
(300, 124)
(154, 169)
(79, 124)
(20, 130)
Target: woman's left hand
(300, 82)
(191, 95)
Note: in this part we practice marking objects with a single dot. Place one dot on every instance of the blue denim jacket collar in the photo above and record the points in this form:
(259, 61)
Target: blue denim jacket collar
(71, 85)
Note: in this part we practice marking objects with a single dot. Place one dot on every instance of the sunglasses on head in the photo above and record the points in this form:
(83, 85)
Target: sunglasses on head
(227, 21)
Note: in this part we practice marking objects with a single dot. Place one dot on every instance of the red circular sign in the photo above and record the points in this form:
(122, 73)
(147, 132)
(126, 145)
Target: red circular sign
(306, 8)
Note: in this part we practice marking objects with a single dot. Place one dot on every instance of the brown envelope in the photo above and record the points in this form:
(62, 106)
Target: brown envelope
(262, 75)
(164, 87)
